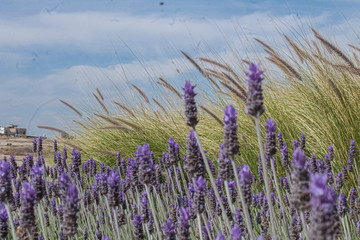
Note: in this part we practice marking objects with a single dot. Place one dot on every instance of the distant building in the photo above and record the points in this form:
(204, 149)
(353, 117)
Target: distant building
(13, 130)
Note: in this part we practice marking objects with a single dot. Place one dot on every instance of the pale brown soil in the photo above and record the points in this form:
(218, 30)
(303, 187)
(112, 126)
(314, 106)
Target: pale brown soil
(21, 147)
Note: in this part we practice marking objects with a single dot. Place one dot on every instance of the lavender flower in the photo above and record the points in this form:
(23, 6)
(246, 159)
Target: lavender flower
(280, 141)
(146, 166)
(190, 105)
(34, 145)
(302, 141)
(4, 228)
(174, 155)
(230, 140)
(5, 182)
(254, 100)
(245, 178)
(183, 225)
(101, 183)
(40, 145)
(339, 182)
(220, 236)
(113, 182)
(144, 210)
(236, 233)
(342, 205)
(37, 182)
(64, 182)
(200, 194)
(169, 230)
(70, 211)
(194, 163)
(224, 165)
(138, 230)
(27, 215)
(270, 138)
(300, 176)
(323, 202)
(285, 158)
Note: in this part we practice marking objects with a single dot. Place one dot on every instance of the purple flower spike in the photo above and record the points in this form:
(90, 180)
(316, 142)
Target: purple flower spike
(323, 203)
(34, 145)
(254, 101)
(183, 224)
(37, 181)
(70, 211)
(174, 155)
(331, 153)
(270, 138)
(194, 163)
(236, 233)
(190, 104)
(342, 205)
(302, 141)
(169, 230)
(301, 177)
(106, 238)
(220, 236)
(146, 167)
(138, 230)
(245, 178)
(230, 141)
(113, 181)
(5, 182)
(200, 194)
(299, 159)
(280, 140)
(27, 215)
(4, 228)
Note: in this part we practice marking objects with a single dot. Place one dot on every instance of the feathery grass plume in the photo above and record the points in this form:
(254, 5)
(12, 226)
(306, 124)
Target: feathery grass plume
(331, 48)
(54, 129)
(128, 110)
(160, 106)
(208, 111)
(71, 107)
(141, 92)
(234, 91)
(167, 85)
(101, 103)
(300, 53)
(101, 96)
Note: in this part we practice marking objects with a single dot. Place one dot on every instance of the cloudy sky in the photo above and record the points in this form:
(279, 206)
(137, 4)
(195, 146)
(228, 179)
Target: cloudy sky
(51, 50)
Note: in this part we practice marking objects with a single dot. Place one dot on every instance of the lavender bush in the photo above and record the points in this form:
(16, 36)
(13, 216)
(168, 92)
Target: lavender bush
(144, 197)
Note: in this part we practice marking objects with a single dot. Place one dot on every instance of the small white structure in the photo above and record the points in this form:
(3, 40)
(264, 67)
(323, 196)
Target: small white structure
(2, 130)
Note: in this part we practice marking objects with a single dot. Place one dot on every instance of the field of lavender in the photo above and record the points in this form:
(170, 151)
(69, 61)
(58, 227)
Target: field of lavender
(184, 196)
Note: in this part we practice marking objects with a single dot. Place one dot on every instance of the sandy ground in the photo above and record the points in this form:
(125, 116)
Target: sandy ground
(21, 147)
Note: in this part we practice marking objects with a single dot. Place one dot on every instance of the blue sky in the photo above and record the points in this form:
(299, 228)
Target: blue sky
(52, 50)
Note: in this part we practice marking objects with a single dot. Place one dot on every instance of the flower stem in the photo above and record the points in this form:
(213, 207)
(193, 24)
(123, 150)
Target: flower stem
(13, 233)
(212, 181)
(243, 204)
(266, 178)
(153, 210)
